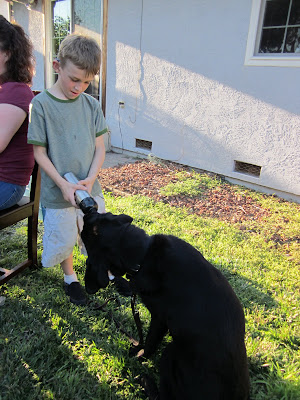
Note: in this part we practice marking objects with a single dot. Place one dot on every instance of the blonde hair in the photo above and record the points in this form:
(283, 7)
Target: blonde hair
(82, 51)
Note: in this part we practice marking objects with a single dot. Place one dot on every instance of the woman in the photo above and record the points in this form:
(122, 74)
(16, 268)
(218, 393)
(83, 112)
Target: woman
(16, 72)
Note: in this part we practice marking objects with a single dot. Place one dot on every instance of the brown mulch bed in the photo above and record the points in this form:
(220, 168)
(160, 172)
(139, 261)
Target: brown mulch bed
(146, 178)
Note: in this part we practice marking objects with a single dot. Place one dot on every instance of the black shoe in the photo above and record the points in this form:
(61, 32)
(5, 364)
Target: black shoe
(76, 293)
(122, 286)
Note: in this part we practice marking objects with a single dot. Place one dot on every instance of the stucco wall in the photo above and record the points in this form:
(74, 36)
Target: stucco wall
(179, 68)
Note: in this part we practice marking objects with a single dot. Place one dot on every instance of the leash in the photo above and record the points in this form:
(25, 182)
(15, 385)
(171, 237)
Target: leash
(137, 320)
(136, 317)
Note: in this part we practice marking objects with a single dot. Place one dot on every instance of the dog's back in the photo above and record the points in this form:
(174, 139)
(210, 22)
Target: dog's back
(204, 317)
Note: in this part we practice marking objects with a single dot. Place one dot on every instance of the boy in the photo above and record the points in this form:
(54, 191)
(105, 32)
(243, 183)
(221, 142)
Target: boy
(66, 129)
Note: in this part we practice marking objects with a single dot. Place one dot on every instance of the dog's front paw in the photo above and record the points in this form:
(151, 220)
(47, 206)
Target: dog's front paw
(141, 353)
(136, 351)
(149, 386)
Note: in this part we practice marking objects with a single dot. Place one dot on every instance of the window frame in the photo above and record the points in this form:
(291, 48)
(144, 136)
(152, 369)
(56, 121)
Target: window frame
(254, 35)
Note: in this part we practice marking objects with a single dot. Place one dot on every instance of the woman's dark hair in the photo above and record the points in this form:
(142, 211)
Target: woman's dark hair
(21, 63)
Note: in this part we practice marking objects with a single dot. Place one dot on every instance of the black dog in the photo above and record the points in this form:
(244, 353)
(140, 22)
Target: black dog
(186, 296)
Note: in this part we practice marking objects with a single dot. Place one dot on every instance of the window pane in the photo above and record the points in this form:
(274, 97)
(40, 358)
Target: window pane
(295, 13)
(61, 25)
(55, 44)
(276, 12)
(272, 40)
(292, 44)
(88, 15)
(61, 15)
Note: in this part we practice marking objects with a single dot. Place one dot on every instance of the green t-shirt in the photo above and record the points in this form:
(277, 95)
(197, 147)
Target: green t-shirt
(68, 130)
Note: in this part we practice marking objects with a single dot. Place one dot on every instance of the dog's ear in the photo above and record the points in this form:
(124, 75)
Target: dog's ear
(125, 219)
(120, 219)
(94, 218)
(96, 276)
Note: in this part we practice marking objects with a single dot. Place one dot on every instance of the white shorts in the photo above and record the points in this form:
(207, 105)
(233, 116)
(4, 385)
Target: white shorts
(62, 229)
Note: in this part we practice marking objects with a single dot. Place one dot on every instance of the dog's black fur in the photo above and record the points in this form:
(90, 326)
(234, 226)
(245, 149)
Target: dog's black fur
(186, 296)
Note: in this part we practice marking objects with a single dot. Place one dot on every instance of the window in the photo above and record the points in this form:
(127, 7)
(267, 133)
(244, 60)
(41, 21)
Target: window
(68, 16)
(274, 33)
(61, 24)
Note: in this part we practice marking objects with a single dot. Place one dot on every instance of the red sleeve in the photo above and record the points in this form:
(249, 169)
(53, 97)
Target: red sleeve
(17, 94)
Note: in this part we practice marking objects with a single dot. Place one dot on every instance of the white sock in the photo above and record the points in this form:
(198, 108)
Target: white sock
(110, 276)
(70, 278)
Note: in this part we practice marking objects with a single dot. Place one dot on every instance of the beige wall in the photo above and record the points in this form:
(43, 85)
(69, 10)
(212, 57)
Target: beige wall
(4, 8)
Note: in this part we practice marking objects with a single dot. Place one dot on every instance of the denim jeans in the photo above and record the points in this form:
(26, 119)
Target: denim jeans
(10, 194)
(43, 212)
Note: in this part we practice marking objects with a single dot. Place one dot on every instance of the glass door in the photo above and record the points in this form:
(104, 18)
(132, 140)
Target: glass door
(75, 16)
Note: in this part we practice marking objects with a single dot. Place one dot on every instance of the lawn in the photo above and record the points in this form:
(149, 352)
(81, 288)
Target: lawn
(51, 349)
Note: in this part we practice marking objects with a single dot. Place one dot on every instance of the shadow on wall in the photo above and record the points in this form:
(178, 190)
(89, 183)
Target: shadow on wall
(212, 145)
(206, 38)
(191, 95)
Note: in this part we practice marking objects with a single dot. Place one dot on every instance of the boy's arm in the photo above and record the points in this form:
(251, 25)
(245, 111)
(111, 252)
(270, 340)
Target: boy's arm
(67, 189)
(98, 160)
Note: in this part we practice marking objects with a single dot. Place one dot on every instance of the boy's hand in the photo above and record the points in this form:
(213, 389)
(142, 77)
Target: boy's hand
(68, 191)
(88, 183)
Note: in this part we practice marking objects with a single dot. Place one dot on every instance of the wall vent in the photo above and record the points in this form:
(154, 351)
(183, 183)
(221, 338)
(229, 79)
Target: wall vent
(143, 144)
(248, 169)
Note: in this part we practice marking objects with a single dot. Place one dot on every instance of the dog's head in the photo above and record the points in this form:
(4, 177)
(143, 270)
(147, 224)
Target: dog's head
(101, 236)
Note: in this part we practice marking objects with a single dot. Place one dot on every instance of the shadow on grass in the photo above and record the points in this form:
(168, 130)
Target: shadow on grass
(41, 334)
(249, 293)
(51, 372)
(267, 384)
(51, 349)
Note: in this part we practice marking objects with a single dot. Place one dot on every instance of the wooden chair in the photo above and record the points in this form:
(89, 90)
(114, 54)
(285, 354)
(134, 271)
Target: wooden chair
(12, 215)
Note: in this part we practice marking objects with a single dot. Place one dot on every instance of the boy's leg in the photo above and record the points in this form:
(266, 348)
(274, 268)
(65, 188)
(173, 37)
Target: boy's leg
(71, 285)
(67, 267)
(60, 233)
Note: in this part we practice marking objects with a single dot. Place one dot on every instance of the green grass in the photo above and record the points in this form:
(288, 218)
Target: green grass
(192, 184)
(51, 349)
